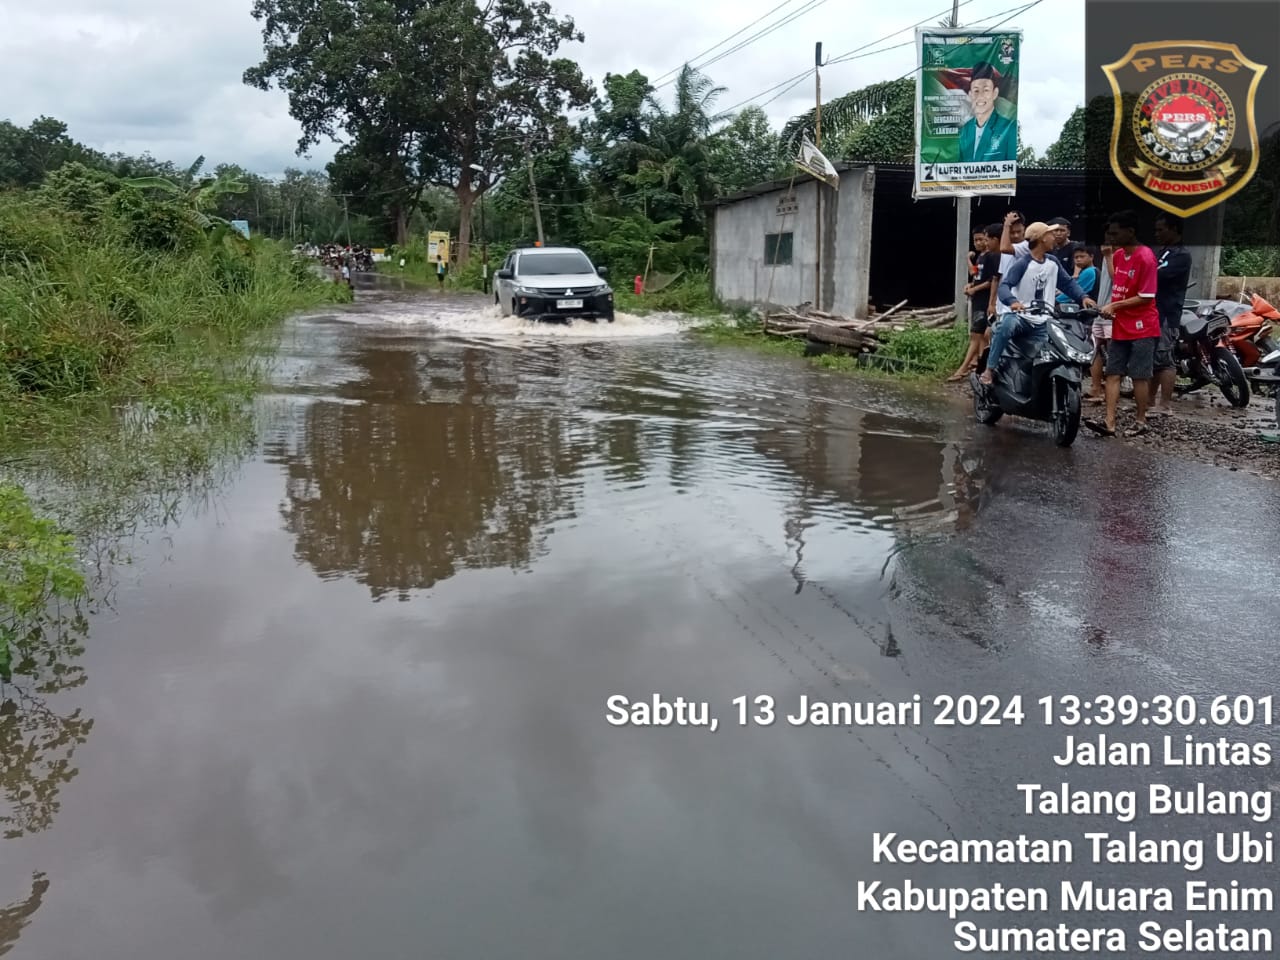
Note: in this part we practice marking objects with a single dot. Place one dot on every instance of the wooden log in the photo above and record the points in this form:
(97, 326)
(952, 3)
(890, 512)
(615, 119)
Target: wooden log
(826, 333)
(862, 329)
(890, 312)
(938, 322)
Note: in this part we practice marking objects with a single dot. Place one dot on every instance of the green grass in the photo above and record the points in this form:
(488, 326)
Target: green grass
(690, 295)
(129, 347)
(83, 312)
(914, 353)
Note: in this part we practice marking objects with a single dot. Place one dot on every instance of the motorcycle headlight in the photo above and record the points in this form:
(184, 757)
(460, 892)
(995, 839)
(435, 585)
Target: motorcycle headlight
(1062, 343)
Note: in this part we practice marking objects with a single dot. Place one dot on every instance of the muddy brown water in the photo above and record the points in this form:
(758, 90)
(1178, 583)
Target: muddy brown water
(355, 704)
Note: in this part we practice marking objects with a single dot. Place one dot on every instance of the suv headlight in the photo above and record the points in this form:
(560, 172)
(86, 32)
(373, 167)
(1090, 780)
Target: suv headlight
(522, 291)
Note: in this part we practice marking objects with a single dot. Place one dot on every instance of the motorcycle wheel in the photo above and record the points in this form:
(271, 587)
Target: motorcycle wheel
(1066, 422)
(985, 412)
(1230, 376)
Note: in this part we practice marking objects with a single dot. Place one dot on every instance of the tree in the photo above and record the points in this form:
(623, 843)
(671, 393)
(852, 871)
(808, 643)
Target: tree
(874, 123)
(422, 91)
(619, 124)
(1026, 156)
(745, 152)
(1068, 149)
(28, 155)
(672, 178)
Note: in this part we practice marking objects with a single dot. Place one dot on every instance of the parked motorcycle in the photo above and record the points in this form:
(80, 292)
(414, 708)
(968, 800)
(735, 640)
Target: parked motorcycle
(1252, 329)
(1203, 352)
(1267, 378)
(1041, 381)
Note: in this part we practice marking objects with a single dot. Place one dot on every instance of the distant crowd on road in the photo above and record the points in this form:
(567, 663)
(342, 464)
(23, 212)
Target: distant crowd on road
(1141, 295)
(339, 261)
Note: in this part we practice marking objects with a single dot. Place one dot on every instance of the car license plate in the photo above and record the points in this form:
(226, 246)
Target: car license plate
(569, 304)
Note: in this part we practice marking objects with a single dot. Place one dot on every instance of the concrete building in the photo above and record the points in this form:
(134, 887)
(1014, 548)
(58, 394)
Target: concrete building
(764, 243)
(879, 246)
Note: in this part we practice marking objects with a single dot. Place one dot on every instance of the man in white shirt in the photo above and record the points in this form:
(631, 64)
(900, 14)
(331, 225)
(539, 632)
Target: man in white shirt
(1035, 277)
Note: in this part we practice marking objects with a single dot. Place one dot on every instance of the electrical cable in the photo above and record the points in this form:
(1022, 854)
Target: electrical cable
(809, 7)
(724, 41)
(791, 82)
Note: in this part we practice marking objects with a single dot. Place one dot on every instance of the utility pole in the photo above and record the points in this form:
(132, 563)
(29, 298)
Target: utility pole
(533, 188)
(817, 184)
(963, 214)
(346, 217)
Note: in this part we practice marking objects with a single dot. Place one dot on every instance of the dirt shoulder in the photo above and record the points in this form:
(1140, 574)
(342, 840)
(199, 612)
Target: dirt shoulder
(1203, 427)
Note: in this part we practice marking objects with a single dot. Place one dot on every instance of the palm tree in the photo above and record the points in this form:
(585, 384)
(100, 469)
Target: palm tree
(849, 119)
(673, 169)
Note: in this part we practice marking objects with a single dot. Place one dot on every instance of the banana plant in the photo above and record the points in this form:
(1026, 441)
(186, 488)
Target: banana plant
(200, 198)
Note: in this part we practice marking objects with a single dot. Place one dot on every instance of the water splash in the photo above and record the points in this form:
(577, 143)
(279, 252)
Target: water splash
(487, 322)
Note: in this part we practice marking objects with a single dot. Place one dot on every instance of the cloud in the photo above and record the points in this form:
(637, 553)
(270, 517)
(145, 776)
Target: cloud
(164, 76)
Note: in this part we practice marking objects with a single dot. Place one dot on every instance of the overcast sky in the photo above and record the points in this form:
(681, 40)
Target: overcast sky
(164, 75)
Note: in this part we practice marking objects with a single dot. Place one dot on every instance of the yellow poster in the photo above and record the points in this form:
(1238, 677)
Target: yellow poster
(438, 246)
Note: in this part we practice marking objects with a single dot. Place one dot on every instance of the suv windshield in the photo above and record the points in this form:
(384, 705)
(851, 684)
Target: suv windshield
(546, 264)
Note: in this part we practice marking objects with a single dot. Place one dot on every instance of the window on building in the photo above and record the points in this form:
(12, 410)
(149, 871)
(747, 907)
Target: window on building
(777, 249)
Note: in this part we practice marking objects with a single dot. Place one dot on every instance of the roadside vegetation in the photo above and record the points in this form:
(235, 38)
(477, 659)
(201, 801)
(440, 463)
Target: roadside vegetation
(129, 322)
(914, 353)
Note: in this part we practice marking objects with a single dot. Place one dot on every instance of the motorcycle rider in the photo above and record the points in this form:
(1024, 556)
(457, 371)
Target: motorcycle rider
(1028, 280)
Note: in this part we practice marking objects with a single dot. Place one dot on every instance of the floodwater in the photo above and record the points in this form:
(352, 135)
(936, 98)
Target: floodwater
(355, 705)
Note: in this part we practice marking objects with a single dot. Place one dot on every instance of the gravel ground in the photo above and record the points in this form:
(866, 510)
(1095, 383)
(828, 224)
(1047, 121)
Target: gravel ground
(1209, 430)
(1203, 427)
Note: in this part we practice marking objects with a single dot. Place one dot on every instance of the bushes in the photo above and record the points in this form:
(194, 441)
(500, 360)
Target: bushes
(913, 352)
(690, 294)
(92, 302)
(928, 351)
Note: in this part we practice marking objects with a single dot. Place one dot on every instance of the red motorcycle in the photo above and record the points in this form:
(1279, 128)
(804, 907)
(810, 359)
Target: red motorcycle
(1252, 335)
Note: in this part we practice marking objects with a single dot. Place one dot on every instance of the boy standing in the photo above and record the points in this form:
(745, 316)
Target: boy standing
(980, 292)
(1135, 322)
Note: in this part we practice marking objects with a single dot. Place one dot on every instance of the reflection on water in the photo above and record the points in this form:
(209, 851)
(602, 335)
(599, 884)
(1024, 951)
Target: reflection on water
(431, 457)
(429, 474)
(879, 467)
(17, 915)
(120, 483)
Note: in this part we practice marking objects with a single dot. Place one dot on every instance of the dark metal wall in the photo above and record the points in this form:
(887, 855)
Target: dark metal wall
(913, 242)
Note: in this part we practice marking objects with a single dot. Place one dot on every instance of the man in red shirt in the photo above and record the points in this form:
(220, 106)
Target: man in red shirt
(1135, 322)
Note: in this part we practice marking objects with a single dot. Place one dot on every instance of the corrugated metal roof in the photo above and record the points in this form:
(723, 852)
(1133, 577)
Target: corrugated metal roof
(1076, 174)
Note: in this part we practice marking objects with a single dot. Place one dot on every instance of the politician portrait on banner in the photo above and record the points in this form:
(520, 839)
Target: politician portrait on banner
(966, 112)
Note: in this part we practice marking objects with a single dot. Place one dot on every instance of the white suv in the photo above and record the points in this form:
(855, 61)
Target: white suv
(553, 284)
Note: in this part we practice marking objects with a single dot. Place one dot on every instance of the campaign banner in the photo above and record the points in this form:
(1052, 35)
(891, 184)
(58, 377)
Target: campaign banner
(966, 112)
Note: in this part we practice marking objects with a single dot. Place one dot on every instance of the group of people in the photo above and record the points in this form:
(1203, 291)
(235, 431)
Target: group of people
(1141, 295)
(339, 261)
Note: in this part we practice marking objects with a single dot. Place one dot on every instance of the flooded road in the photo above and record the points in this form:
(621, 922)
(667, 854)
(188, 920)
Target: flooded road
(355, 704)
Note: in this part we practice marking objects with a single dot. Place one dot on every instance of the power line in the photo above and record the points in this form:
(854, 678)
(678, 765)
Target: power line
(809, 7)
(1012, 13)
(849, 55)
(725, 40)
(793, 81)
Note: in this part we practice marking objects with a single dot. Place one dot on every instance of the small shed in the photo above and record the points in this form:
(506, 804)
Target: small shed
(880, 246)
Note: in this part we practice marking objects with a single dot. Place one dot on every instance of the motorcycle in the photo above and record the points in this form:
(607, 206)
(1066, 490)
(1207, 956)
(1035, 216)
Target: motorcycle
(1252, 329)
(1041, 381)
(1267, 377)
(1203, 353)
